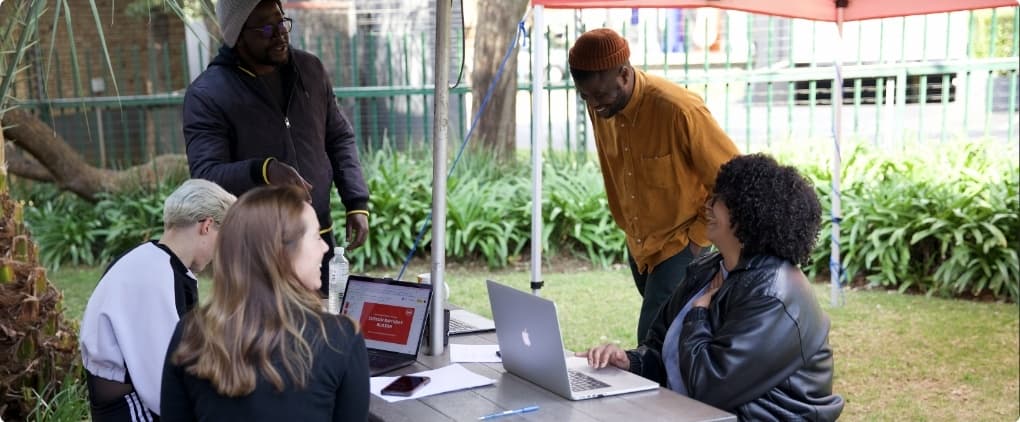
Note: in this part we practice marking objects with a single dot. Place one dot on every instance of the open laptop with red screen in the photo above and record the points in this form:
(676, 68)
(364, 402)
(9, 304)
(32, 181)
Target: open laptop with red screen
(392, 318)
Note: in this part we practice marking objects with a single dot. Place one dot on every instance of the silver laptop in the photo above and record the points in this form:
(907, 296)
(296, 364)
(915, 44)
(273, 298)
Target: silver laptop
(392, 318)
(467, 322)
(528, 331)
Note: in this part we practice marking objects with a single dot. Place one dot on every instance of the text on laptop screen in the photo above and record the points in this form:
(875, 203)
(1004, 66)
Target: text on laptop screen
(391, 316)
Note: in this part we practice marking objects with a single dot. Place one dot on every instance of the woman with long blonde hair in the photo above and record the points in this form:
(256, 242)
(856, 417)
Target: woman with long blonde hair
(262, 348)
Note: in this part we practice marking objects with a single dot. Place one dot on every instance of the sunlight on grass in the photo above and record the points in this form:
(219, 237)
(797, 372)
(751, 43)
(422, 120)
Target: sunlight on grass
(911, 357)
(76, 284)
(898, 357)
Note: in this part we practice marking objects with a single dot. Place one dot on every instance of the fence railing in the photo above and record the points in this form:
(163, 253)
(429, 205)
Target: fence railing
(766, 80)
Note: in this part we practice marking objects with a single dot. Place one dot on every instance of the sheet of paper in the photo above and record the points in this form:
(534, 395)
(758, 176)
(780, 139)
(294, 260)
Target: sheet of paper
(448, 378)
(474, 353)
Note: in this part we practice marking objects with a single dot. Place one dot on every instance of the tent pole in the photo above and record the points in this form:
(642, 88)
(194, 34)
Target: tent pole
(439, 140)
(538, 52)
(835, 266)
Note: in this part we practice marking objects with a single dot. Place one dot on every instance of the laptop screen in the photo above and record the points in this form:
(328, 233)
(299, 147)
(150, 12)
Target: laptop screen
(391, 313)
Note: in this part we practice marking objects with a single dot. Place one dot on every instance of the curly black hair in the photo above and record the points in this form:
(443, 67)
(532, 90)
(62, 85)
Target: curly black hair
(773, 209)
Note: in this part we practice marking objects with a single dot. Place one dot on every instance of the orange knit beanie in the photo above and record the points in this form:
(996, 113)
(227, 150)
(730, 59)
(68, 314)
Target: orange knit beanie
(599, 49)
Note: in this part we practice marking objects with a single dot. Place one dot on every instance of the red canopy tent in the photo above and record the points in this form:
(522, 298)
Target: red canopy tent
(837, 11)
(821, 10)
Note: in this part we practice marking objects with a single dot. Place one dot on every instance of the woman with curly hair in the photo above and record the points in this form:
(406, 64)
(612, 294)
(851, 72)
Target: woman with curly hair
(263, 348)
(744, 331)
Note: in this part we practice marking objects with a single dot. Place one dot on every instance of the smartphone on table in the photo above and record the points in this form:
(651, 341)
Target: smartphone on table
(405, 385)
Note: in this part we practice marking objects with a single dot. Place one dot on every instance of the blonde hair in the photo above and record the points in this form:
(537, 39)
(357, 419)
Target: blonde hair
(258, 309)
(194, 201)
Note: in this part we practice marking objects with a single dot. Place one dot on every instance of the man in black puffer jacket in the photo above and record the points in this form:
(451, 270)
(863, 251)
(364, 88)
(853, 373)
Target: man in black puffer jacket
(263, 113)
(744, 331)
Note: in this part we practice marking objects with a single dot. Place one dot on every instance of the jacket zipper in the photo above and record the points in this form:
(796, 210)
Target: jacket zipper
(286, 110)
(290, 95)
(290, 98)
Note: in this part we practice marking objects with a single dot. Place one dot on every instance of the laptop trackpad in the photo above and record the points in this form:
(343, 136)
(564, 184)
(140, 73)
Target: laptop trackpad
(610, 375)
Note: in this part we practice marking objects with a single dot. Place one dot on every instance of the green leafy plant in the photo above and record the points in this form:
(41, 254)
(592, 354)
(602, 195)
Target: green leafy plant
(73, 231)
(133, 216)
(577, 211)
(938, 221)
(401, 189)
(941, 221)
(67, 229)
(479, 220)
(69, 402)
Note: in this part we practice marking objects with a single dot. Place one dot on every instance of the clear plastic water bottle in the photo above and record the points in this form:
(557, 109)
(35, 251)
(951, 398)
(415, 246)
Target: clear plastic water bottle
(339, 269)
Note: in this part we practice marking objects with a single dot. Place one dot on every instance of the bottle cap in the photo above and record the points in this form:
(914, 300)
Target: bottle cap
(338, 250)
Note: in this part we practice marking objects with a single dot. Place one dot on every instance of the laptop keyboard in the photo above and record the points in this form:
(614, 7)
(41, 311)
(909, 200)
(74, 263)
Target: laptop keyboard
(379, 360)
(582, 382)
(457, 326)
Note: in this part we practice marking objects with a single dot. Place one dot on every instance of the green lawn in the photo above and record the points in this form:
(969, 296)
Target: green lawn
(898, 357)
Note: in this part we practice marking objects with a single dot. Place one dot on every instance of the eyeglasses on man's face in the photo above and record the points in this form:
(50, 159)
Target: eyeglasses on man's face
(269, 31)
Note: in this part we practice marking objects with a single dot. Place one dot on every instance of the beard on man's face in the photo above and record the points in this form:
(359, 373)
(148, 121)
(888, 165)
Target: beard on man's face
(274, 52)
(278, 51)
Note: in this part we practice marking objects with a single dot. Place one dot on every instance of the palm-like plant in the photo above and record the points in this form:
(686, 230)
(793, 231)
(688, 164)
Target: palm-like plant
(39, 344)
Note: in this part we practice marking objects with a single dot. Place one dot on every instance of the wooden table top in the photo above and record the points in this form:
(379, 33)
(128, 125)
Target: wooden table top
(511, 392)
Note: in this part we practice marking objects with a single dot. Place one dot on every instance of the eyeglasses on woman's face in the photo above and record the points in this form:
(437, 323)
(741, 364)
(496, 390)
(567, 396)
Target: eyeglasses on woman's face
(269, 31)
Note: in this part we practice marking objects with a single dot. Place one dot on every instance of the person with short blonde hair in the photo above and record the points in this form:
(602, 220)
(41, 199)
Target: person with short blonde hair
(196, 200)
(263, 348)
(141, 296)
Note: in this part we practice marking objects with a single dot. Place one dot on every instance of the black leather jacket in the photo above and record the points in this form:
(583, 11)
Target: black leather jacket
(761, 350)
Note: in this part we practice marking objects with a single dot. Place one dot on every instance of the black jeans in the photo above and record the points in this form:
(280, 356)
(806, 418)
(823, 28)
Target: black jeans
(111, 401)
(657, 285)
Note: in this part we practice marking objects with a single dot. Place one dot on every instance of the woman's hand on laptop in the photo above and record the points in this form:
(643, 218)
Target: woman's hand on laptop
(606, 354)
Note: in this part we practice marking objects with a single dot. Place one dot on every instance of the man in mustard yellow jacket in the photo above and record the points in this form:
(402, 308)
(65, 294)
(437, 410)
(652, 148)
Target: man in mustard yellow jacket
(660, 150)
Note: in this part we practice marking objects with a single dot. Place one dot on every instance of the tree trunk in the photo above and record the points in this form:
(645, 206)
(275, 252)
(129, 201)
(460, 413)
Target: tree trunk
(497, 23)
(157, 40)
(52, 160)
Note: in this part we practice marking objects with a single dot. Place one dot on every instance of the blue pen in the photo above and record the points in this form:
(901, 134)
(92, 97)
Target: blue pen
(509, 412)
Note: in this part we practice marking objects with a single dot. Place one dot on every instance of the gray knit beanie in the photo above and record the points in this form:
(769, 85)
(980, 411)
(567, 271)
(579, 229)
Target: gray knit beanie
(232, 14)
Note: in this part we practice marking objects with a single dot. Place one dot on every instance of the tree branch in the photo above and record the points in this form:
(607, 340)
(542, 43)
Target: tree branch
(67, 169)
(24, 166)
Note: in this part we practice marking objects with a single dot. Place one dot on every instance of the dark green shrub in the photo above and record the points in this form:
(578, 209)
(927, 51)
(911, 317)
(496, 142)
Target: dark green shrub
(70, 230)
(67, 229)
(132, 217)
(943, 220)
(576, 214)
(401, 188)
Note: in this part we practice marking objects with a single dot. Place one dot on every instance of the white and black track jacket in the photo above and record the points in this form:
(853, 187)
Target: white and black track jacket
(131, 316)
